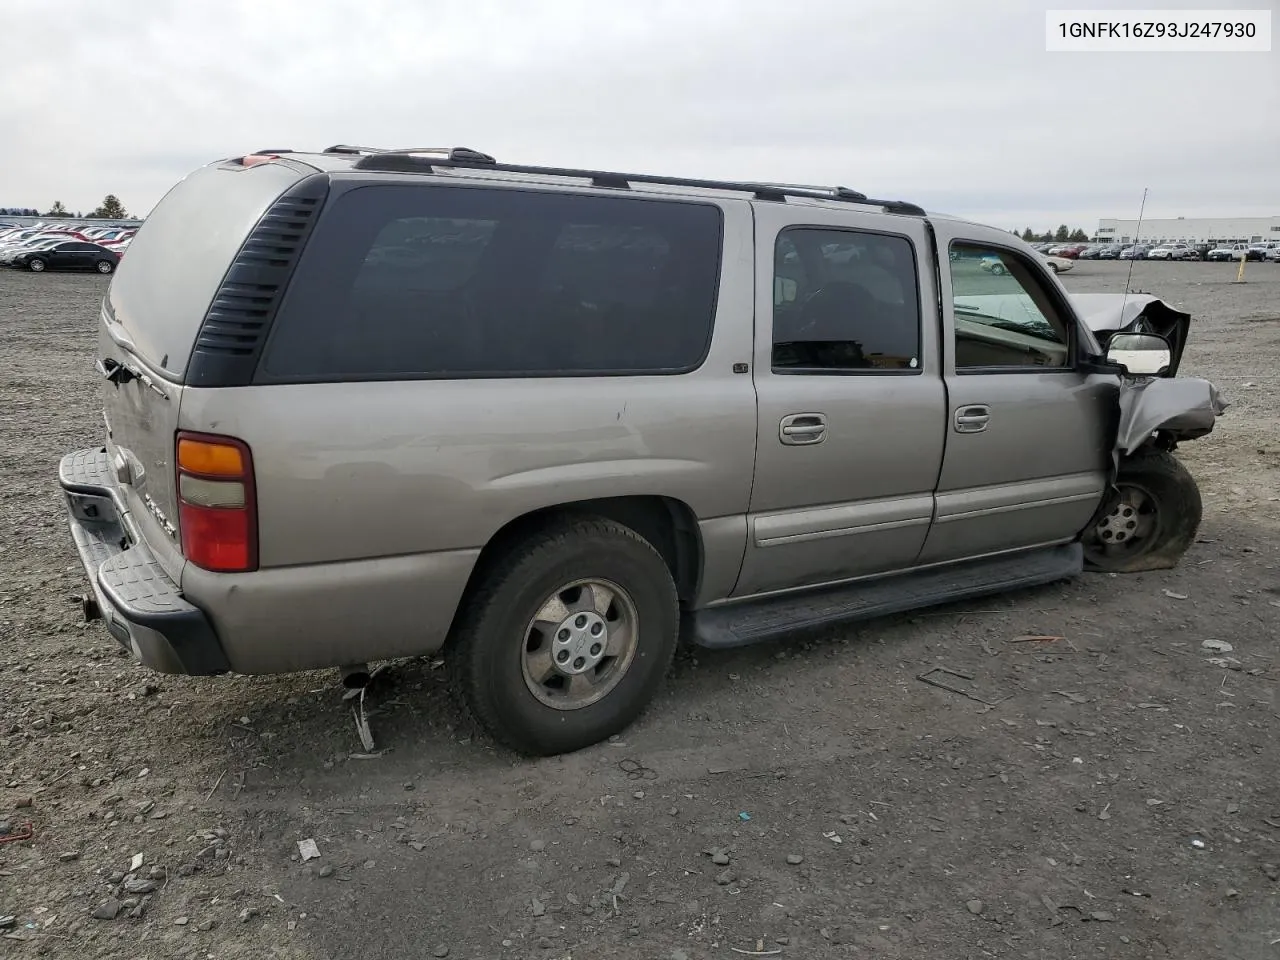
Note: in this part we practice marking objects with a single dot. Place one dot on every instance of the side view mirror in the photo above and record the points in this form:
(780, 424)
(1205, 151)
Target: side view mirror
(1141, 354)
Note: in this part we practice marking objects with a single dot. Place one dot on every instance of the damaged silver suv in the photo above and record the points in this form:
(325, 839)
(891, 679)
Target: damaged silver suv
(367, 404)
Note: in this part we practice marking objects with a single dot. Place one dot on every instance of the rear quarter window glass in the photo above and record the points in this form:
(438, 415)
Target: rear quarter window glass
(406, 281)
(177, 259)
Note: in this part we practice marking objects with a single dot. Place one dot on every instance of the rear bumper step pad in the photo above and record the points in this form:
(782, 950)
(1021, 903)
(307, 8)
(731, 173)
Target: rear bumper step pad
(141, 606)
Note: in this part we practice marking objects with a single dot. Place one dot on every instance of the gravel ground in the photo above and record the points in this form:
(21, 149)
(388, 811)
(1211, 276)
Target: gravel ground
(1116, 794)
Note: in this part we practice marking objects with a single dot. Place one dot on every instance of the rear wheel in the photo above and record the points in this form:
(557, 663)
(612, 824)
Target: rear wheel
(1150, 521)
(36, 265)
(1053, 267)
(998, 269)
(105, 266)
(567, 638)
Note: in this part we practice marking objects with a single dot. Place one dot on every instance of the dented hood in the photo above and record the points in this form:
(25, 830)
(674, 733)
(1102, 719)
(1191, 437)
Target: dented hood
(1107, 314)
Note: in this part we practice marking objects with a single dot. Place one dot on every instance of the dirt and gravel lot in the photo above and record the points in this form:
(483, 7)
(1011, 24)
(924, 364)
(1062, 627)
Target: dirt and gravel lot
(1118, 793)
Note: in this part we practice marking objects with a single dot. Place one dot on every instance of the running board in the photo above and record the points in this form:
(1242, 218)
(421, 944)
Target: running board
(751, 621)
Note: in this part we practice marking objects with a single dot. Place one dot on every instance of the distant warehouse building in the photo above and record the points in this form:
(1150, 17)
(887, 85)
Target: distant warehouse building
(1190, 230)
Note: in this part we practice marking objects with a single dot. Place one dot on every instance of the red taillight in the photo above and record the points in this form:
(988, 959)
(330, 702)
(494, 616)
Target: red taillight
(217, 509)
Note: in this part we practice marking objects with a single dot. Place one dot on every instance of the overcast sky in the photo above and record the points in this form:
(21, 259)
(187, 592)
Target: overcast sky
(953, 105)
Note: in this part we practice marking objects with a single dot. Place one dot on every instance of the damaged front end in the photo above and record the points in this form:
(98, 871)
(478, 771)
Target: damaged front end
(1153, 508)
(1162, 408)
(1165, 412)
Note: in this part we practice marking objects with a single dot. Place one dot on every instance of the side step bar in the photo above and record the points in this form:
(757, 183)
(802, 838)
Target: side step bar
(751, 621)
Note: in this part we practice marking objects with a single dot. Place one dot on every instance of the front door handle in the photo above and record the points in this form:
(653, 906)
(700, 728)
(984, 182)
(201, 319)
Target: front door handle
(973, 419)
(801, 429)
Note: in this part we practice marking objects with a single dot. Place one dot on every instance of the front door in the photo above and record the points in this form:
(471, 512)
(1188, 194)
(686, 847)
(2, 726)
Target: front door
(1028, 435)
(851, 408)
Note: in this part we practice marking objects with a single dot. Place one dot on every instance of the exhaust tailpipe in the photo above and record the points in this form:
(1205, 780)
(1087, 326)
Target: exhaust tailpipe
(354, 676)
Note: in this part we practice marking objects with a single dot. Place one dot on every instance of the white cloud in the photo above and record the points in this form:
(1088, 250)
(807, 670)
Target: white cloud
(956, 106)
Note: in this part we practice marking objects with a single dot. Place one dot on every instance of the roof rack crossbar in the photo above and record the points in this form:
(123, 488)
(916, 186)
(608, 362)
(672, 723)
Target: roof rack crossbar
(424, 159)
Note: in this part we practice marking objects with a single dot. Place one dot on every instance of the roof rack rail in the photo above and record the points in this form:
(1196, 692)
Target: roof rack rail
(843, 193)
(270, 150)
(425, 159)
(345, 148)
(424, 156)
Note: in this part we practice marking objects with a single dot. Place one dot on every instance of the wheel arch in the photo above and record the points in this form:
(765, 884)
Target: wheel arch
(667, 523)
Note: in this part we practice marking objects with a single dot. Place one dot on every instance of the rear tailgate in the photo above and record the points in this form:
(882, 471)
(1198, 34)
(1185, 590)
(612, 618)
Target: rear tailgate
(150, 320)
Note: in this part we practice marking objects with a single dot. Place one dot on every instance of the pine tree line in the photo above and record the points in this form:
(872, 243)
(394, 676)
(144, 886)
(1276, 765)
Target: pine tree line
(110, 209)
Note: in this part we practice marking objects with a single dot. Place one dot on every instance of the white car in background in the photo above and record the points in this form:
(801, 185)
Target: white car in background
(1172, 251)
(1057, 264)
(993, 264)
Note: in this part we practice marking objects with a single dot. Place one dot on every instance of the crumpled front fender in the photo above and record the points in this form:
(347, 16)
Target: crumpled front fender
(1182, 407)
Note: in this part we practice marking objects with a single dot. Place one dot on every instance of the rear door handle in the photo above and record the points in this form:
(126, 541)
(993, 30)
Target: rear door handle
(972, 419)
(801, 429)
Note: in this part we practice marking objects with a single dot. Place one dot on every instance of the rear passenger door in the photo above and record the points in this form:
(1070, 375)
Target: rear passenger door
(849, 394)
(1028, 433)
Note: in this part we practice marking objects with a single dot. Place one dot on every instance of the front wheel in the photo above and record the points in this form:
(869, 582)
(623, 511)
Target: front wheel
(1151, 519)
(1053, 267)
(567, 637)
(998, 269)
(36, 265)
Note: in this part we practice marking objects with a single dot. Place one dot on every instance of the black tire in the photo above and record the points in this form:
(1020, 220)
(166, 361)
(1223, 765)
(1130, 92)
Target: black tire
(1053, 267)
(1164, 511)
(487, 650)
(105, 266)
(36, 265)
(998, 269)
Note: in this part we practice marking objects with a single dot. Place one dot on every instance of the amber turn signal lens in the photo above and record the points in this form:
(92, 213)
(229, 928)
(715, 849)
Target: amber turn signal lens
(210, 459)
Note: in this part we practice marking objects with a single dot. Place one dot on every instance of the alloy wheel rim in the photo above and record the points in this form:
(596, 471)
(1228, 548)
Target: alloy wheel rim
(579, 644)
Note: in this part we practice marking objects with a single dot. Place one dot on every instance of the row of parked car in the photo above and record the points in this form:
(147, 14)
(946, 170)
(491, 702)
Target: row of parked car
(1269, 250)
(53, 246)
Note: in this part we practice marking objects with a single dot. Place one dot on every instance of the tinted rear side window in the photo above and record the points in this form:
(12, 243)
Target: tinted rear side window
(406, 281)
(163, 288)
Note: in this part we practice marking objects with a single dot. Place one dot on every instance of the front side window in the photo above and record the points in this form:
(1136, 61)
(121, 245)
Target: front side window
(1004, 315)
(845, 301)
(405, 281)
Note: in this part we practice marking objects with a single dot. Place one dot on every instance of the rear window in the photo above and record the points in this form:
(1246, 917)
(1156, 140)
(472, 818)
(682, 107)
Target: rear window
(177, 259)
(404, 281)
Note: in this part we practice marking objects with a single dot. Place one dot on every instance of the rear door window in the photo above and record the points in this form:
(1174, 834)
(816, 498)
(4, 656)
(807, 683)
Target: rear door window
(844, 301)
(405, 281)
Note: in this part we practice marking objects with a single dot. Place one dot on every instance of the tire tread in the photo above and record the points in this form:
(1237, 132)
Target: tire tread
(512, 568)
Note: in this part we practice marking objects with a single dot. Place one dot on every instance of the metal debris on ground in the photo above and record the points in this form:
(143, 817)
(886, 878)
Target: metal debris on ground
(636, 770)
(308, 850)
(759, 951)
(1175, 596)
(25, 832)
(927, 677)
(362, 723)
